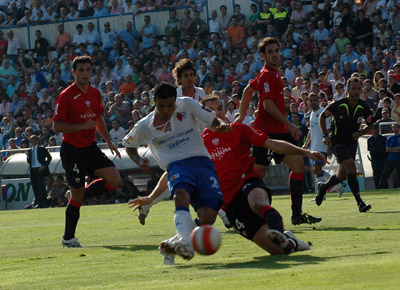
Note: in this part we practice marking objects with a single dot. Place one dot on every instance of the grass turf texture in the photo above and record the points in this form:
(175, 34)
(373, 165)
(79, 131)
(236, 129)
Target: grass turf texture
(351, 250)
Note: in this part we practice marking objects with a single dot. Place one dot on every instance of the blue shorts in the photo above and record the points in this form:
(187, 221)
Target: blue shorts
(315, 162)
(198, 176)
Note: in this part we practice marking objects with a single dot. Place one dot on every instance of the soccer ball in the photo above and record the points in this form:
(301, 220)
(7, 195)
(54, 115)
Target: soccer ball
(205, 239)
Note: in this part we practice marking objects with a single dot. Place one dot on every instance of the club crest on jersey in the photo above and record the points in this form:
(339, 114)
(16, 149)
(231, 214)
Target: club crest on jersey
(175, 177)
(215, 141)
(359, 120)
(87, 102)
(266, 87)
(179, 116)
(77, 180)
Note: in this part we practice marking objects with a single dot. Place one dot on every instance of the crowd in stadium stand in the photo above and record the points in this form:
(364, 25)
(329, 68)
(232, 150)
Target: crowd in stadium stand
(319, 50)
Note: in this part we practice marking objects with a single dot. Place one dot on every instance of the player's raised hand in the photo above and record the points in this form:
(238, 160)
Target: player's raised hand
(114, 149)
(239, 119)
(134, 204)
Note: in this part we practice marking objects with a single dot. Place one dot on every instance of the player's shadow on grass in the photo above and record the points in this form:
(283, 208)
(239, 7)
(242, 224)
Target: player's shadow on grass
(272, 262)
(351, 229)
(129, 247)
(384, 212)
(266, 262)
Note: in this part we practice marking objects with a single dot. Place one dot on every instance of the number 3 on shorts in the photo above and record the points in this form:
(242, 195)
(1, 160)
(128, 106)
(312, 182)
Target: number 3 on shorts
(214, 182)
(76, 169)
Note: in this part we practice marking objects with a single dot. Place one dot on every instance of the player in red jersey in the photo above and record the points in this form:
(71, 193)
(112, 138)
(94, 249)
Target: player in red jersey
(77, 114)
(271, 120)
(247, 199)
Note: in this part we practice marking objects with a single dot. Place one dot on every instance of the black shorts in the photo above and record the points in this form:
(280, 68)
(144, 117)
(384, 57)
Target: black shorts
(239, 213)
(263, 156)
(79, 162)
(344, 151)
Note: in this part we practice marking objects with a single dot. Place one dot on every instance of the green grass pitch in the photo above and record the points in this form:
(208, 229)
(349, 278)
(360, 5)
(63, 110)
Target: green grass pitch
(350, 250)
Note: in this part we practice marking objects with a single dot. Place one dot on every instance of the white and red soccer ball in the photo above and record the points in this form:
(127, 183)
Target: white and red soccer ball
(205, 239)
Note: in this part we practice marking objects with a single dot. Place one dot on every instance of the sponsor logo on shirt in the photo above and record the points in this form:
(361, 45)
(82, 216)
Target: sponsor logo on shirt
(56, 110)
(175, 177)
(266, 87)
(89, 115)
(219, 153)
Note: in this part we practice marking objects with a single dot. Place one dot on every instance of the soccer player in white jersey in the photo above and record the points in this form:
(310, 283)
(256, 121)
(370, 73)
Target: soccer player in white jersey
(314, 141)
(185, 76)
(172, 133)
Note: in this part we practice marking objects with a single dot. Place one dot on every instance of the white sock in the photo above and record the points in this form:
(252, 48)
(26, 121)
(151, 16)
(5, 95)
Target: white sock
(221, 213)
(183, 224)
(326, 176)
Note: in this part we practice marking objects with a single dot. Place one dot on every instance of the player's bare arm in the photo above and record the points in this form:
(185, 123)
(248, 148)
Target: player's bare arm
(133, 154)
(283, 147)
(161, 186)
(71, 128)
(244, 103)
(218, 126)
(271, 108)
(101, 126)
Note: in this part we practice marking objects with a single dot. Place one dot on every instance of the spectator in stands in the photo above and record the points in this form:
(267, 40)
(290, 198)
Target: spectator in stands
(87, 10)
(121, 110)
(5, 72)
(393, 161)
(128, 7)
(63, 38)
(298, 17)
(395, 115)
(184, 25)
(172, 27)
(107, 38)
(117, 133)
(73, 12)
(127, 87)
(115, 8)
(240, 17)
(376, 145)
(235, 34)
(14, 44)
(93, 36)
(147, 32)
(128, 35)
(42, 47)
(100, 10)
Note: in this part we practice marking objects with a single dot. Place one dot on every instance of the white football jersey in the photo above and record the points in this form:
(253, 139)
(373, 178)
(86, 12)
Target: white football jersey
(198, 95)
(183, 141)
(316, 133)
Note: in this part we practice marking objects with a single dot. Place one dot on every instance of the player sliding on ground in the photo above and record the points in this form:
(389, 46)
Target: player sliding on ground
(247, 199)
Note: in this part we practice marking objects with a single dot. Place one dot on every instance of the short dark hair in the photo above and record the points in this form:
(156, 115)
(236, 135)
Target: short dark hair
(267, 41)
(164, 90)
(353, 80)
(81, 59)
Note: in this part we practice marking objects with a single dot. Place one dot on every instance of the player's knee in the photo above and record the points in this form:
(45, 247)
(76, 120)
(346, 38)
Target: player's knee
(206, 216)
(115, 182)
(181, 197)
